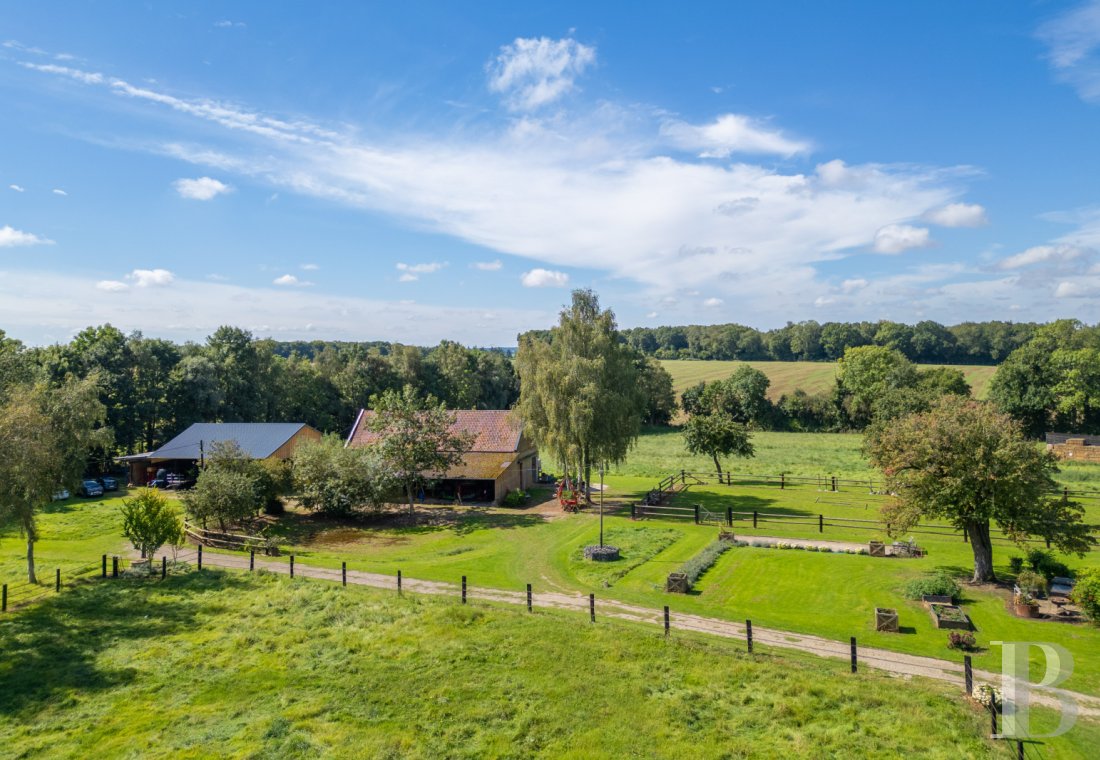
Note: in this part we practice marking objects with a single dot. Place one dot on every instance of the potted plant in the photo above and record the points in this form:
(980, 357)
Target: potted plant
(1024, 605)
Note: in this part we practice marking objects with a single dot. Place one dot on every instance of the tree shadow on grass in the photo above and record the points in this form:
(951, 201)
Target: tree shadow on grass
(51, 649)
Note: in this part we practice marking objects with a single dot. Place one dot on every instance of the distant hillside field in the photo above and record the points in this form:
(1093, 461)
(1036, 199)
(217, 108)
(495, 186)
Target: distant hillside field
(812, 377)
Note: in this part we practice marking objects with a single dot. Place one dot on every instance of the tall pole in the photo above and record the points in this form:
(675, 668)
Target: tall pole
(601, 505)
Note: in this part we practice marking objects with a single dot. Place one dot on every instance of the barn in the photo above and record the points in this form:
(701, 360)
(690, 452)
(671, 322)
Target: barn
(501, 459)
(181, 457)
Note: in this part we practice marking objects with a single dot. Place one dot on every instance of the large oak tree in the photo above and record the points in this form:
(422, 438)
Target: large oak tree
(968, 464)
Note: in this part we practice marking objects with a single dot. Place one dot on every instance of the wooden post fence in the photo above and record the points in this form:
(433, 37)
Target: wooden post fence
(291, 565)
(57, 580)
(343, 573)
(666, 621)
(821, 523)
(114, 567)
(729, 516)
(754, 519)
(782, 481)
(592, 607)
(4, 599)
(748, 634)
(633, 511)
(834, 483)
(529, 605)
(163, 566)
(104, 565)
(968, 670)
(696, 508)
(853, 654)
(398, 581)
(993, 717)
(464, 589)
(200, 556)
(251, 559)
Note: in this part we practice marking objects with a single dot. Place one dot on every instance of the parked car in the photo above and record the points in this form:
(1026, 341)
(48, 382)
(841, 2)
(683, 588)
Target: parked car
(61, 495)
(91, 488)
(108, 483)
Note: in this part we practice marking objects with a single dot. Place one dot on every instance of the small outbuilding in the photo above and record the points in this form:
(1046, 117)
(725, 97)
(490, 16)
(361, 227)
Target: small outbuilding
(180, 458)
(501, 459)
(1077, 448)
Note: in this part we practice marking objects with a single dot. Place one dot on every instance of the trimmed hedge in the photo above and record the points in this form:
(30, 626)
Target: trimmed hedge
(701, 562)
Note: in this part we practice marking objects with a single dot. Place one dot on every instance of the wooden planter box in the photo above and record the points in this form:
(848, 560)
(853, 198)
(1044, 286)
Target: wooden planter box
(876, 549)
(1025, 610)
(886, 619)
(949, 616)
(937, 599)
(677, 583)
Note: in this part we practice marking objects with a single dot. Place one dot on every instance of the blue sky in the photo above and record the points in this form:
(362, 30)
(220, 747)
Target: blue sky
(420, 171)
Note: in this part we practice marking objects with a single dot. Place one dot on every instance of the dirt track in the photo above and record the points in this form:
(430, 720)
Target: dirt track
(891, 662)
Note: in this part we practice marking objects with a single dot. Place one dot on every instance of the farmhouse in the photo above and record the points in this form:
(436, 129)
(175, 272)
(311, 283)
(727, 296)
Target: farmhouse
(501, 459)
(178, 460)
(1077, 448)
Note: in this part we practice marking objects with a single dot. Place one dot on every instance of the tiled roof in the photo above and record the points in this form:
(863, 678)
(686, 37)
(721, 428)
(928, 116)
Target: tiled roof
(494, 430)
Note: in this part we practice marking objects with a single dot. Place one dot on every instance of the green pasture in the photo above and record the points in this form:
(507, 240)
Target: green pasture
(249, 666)
(786, 377)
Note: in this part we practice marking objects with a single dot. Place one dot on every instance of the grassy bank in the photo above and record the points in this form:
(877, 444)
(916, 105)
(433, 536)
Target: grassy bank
(261, 666)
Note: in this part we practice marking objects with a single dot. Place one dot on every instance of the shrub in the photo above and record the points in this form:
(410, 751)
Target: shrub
(1044, 563)
(516, 498)
(1015, 564)
(1031, 583)
(937, 584)
(1086, 593)
(1036, 557)
(986, 695)
(961, 640)
(701, 562)
(150, 522)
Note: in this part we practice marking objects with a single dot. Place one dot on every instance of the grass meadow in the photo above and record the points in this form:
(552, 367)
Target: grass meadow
(812, 377)
(265, 666)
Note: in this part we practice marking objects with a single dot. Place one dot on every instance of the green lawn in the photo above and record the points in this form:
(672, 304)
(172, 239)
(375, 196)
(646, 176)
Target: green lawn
(242, 666)
(812, 377)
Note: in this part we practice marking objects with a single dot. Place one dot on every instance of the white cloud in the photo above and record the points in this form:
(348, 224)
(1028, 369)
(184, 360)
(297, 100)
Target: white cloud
(711, 303)
(1073, 290)
(852, 285)
(544, 278)
(730, 133)
(408, 277)
(227, 24)
(824, 301)
(651, 315)
(111, 286)
(216, 277)
(488, 266)
(895, 238)
(201, 189)
(428, 268)
(310, 267)
(958, 215)
(87, 77)
(44, 307)
(11, 237)
(16, 188)
(151, 278)
(289, 280)
(1041, 253)
(59, 191)
(534, 72)
(1073, 42)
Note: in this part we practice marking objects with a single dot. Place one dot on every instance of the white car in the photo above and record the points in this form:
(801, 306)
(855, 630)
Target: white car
(61, 495)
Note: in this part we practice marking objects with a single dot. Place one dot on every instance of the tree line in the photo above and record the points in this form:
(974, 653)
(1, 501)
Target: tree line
(926, 342)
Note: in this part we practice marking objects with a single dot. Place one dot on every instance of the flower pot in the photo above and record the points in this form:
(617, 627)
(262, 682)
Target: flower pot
(1025, 610)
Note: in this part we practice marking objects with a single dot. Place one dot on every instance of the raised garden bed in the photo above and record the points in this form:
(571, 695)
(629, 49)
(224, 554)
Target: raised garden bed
(677, 583)
(937, 599)
(886, 619)
(949, 616)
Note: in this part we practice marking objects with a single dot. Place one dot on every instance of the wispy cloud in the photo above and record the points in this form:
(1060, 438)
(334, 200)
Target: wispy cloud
(11, 237)
(958, 215)
(16, 188)
(112, 286)
(289, 280)
(412, 272)
(534, 72)
(309, 267)
(201, 189)
(227, 24)
(728, 134)
(59, 191)
(151, 278)
(712, 303)
(488, 266)
(544, 278)
(1041, 254)
(1073, 47)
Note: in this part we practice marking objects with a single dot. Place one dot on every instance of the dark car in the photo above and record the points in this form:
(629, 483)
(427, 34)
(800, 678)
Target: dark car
(108, 483)
(90, 488)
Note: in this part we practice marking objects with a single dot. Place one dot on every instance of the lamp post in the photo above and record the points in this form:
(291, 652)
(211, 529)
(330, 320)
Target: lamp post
(601, 505)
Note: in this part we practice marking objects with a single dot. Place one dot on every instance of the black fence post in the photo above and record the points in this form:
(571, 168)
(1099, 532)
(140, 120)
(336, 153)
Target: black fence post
(821, 523)
(4, 599)
(592, 607)
(398, 581)
(754, 518)
(291, 565)
(104, 565)
(968, 670)
(729, 516)
(464, 589)
(57, 581)
(344, 573)
(200, 556)
(666, 621)
(782, 481)
(834, 483)
(529, 597)
(696, 507)
(748, 634)
(163, 566)
(966, 539)
(633, 511)
(114, 567)
(1020, 749)
(993, 716)
(853, 654)
(251, 560)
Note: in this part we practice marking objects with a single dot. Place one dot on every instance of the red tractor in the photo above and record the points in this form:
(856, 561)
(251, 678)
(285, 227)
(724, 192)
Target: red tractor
(568, 497)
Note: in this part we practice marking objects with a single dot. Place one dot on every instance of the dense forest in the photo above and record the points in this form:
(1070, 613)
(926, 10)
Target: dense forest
(925, 342)
(153, 389)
